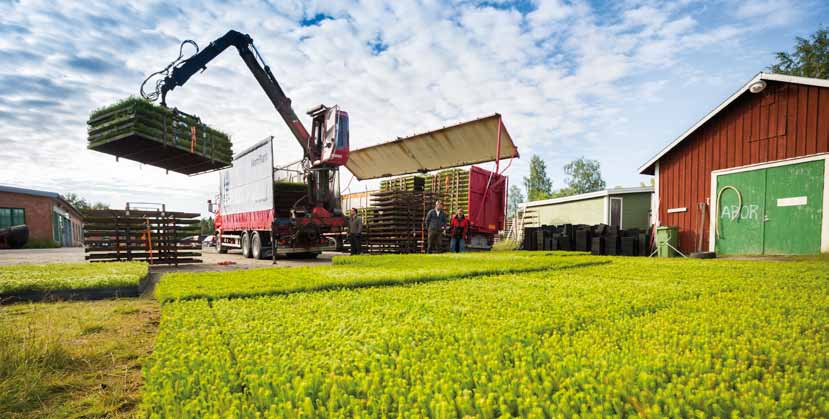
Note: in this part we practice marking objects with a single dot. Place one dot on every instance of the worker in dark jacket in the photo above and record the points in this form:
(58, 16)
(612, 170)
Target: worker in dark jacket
(435, 223)
(355, 232)
(460, 232)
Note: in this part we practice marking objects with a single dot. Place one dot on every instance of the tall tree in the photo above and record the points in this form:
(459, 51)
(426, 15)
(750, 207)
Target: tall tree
(537, 184)
(809, 59)
(583, 176)
(515, 197)
(207, 226)
(82, 204)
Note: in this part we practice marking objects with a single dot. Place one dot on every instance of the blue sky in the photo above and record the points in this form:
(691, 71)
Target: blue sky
(612, 81)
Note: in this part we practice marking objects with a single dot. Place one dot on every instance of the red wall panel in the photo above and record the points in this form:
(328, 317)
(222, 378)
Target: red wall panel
(784, 121)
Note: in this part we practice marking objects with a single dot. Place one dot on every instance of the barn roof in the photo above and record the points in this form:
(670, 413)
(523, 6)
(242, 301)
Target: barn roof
(648, 167)
(589, 195)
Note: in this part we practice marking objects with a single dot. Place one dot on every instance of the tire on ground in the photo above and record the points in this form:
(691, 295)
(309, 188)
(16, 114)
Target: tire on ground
(256, 246)
(246, 245)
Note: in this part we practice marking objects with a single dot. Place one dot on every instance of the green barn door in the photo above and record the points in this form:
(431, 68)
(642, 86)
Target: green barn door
(794, 209)
(781, 213)
(741, 227)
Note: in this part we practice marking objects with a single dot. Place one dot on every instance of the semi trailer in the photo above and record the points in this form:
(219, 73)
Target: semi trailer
(265, 216)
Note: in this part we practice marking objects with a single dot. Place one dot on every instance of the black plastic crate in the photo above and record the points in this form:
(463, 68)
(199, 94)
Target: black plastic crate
(611, 245)
(630, 246)
(643, 242)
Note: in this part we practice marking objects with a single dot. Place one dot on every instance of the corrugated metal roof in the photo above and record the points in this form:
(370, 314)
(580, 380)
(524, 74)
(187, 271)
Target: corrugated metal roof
(648, 167)
(34, 192)
(463, 144)
(25, 191)
(589, 195)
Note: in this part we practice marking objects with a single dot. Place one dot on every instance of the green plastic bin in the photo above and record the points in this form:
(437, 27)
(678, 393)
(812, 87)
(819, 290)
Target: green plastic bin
(664, 236)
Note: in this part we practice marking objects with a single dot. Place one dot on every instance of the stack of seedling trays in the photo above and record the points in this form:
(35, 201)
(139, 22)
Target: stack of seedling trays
(138, 130)
(288, 196)
(451, 187)
(403, 183)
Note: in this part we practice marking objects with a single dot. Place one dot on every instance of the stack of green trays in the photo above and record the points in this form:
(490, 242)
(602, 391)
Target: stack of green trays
(138, 130)
(452, 188)
(403, 183)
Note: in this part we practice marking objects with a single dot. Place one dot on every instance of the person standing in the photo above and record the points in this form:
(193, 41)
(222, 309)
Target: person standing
(435, 223)
(355, 232)
(460, 232)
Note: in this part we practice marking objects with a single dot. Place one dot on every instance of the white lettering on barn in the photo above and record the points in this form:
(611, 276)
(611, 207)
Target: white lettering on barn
(747, 212)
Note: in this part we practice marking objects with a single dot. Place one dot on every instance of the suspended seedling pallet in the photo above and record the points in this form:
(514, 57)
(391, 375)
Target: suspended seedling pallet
(138, 130)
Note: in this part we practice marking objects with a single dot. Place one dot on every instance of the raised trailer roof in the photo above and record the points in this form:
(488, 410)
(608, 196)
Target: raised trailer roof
(457, 145)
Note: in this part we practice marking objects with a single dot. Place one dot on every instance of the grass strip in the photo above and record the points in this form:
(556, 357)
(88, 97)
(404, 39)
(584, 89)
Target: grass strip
(70, 276)
(368, 273)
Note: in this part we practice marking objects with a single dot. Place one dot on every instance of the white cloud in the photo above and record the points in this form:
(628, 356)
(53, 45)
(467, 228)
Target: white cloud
(562, 75)
(775, 12)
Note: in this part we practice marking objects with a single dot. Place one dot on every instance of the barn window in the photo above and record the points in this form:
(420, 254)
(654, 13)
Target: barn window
(769, 118)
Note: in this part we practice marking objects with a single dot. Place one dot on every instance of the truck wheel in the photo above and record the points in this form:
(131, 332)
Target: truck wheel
(256, 246)
(246, 245)
(219, 248)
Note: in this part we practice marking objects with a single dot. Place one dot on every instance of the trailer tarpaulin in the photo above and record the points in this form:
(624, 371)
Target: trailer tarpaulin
(463, 144)
(247, 189)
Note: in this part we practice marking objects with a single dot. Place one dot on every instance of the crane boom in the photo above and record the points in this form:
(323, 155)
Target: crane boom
(244, 44)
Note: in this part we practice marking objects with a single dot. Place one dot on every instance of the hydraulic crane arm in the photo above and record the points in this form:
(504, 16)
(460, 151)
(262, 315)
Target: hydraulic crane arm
(244, 44)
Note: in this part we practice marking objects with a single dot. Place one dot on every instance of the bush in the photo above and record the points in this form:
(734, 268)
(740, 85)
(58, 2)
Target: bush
(41, 244)
(505, 245)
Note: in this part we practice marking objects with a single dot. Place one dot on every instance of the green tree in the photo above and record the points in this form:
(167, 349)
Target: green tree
(515, 197)
(537, 184)
(207, 226)
(809, 59)
(583, 176)
(82, 204)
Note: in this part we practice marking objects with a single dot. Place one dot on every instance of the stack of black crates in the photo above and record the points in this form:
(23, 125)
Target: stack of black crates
(600, 239)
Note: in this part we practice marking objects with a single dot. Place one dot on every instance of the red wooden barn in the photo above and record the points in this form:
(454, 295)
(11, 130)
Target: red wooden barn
(749, 177)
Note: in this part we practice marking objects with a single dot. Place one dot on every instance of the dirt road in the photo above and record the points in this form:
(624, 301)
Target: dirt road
(210, 258)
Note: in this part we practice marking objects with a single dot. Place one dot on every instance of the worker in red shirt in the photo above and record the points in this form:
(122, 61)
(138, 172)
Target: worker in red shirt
(460, 232)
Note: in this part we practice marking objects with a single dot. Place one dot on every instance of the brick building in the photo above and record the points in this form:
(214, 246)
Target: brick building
(48, 215)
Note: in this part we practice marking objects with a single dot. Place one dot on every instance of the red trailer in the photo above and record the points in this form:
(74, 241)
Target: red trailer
(487, 206)
(468, 143)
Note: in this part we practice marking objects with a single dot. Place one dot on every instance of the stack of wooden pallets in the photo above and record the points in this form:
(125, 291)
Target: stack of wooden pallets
(138, 130)
(157, 237)
(395, 224)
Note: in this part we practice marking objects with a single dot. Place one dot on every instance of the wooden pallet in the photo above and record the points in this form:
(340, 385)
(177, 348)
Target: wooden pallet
(155, 237)
(395, 222)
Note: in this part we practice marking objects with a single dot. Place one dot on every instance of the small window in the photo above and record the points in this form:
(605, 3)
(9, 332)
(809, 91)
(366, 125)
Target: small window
(342, 135)
(12, 217)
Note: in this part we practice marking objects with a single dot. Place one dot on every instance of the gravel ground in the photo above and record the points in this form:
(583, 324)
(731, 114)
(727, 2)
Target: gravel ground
(210, 259)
